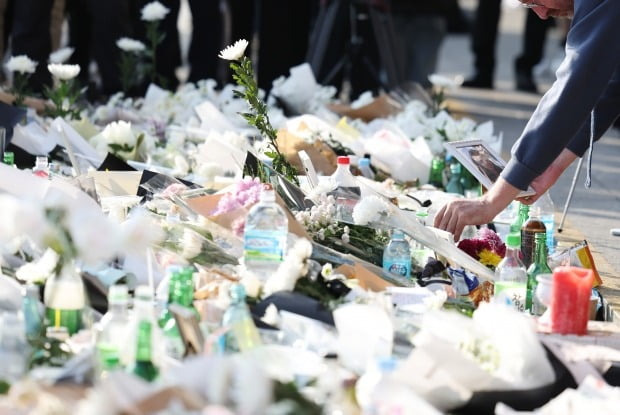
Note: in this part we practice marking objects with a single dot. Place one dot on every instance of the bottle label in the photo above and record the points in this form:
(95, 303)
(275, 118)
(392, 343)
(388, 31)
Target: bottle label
(264, 246)
(70, 319)
(398, 267)
(511, 293)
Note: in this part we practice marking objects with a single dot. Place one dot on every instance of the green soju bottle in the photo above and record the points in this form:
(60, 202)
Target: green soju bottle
(142, 364)
(539, 266)
(65, 299)
(181, 293)
(435, 178)
(522, 216)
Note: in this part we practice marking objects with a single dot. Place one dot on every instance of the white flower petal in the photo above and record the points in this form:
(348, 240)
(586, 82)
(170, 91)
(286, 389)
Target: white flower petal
(234, 52)
(63, 72)
(22, 64)
(130, 45)
(154, 11)
(61, 55)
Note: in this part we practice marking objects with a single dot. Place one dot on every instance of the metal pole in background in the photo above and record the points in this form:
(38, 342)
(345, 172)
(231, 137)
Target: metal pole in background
(570, 194)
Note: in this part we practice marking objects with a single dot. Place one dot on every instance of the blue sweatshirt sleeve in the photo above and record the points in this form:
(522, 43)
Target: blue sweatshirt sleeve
(606, 111)
(592, 56)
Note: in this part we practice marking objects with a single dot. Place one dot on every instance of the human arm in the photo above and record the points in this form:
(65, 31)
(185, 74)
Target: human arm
(455, 215)
(592, 56)
(551, 8)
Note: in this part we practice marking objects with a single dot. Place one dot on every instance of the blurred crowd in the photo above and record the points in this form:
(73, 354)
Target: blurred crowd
(372, 43)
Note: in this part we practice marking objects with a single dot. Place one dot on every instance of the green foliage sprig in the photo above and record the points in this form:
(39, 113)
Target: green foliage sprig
(64, 97)
(257, 117)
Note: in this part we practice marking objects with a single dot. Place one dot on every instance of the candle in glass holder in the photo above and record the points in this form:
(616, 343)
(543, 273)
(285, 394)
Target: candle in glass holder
(570, 300)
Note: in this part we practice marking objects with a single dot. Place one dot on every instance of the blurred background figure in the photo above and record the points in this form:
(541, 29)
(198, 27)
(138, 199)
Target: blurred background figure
(282, 29)
(484, 39)
(420, 27)
(94, 27)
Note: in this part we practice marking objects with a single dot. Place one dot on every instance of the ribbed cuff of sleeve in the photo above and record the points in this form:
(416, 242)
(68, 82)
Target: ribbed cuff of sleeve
(518, 174)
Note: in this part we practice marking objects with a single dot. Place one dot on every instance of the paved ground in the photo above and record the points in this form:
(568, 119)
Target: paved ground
(593, 211)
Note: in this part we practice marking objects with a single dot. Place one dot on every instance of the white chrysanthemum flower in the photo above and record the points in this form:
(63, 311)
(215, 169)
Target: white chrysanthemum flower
(140, 232)
(63, 72)
(370, 209)
(234, 52)
(191, 243)
(295, 266)
(22, 64)
(119, 132)
(40, 270)
(61, 55)
(209, 170)
(250, 282)
(442, 81)
(130, 45)
(154, 11)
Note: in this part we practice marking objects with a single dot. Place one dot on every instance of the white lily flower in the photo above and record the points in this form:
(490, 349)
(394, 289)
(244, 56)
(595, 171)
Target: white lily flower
(271, 316)
(130, 45)
(234, 52)
(63, 72)
(154, 11)
(22, 64)
(61, 55)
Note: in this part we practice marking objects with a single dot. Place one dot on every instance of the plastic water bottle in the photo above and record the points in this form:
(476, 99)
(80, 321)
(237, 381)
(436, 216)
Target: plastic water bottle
(364, 165)
(511, 276)
(266, 231)
(112, 331)
(347, 192)
(547, 216)
(397, 255)
(242, 334)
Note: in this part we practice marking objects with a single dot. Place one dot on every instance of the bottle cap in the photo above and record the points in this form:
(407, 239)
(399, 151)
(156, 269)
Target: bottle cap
(513, 240)
(344, 160)
(237, 292)
(8, 157)
(363, 162)
(397, 234)
(118, 294)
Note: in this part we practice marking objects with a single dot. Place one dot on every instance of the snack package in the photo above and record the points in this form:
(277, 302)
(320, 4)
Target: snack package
(578, 255)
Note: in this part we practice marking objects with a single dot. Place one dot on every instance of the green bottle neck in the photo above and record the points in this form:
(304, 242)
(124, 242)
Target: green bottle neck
(143, 348)
(540, 254)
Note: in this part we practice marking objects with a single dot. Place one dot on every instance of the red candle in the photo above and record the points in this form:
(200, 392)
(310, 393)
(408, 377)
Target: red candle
(570, 300)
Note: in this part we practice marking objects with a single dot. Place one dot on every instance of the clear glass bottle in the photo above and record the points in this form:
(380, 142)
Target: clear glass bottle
(41, 167)
(347, 192)
(364, 165)
(33, 318)
(265, 236)
(530, 228)
(539, 266)
(112, 330)
(242, 334)
(65, 299)
(397, 255)
(143, 364)
(455, 184)
(547, 216)
(511, 277)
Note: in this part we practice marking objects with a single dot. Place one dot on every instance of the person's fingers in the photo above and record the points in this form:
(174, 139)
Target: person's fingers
(453, 226)
(445, 220)
(439, 216)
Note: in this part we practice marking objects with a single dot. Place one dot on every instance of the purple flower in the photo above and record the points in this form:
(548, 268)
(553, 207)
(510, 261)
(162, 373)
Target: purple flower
(246, 193)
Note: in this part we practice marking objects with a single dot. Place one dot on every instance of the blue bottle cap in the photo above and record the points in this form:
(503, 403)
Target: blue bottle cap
(363, 162)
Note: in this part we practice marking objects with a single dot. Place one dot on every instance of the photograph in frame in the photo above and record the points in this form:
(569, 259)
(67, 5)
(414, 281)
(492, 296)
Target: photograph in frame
(481, 161)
